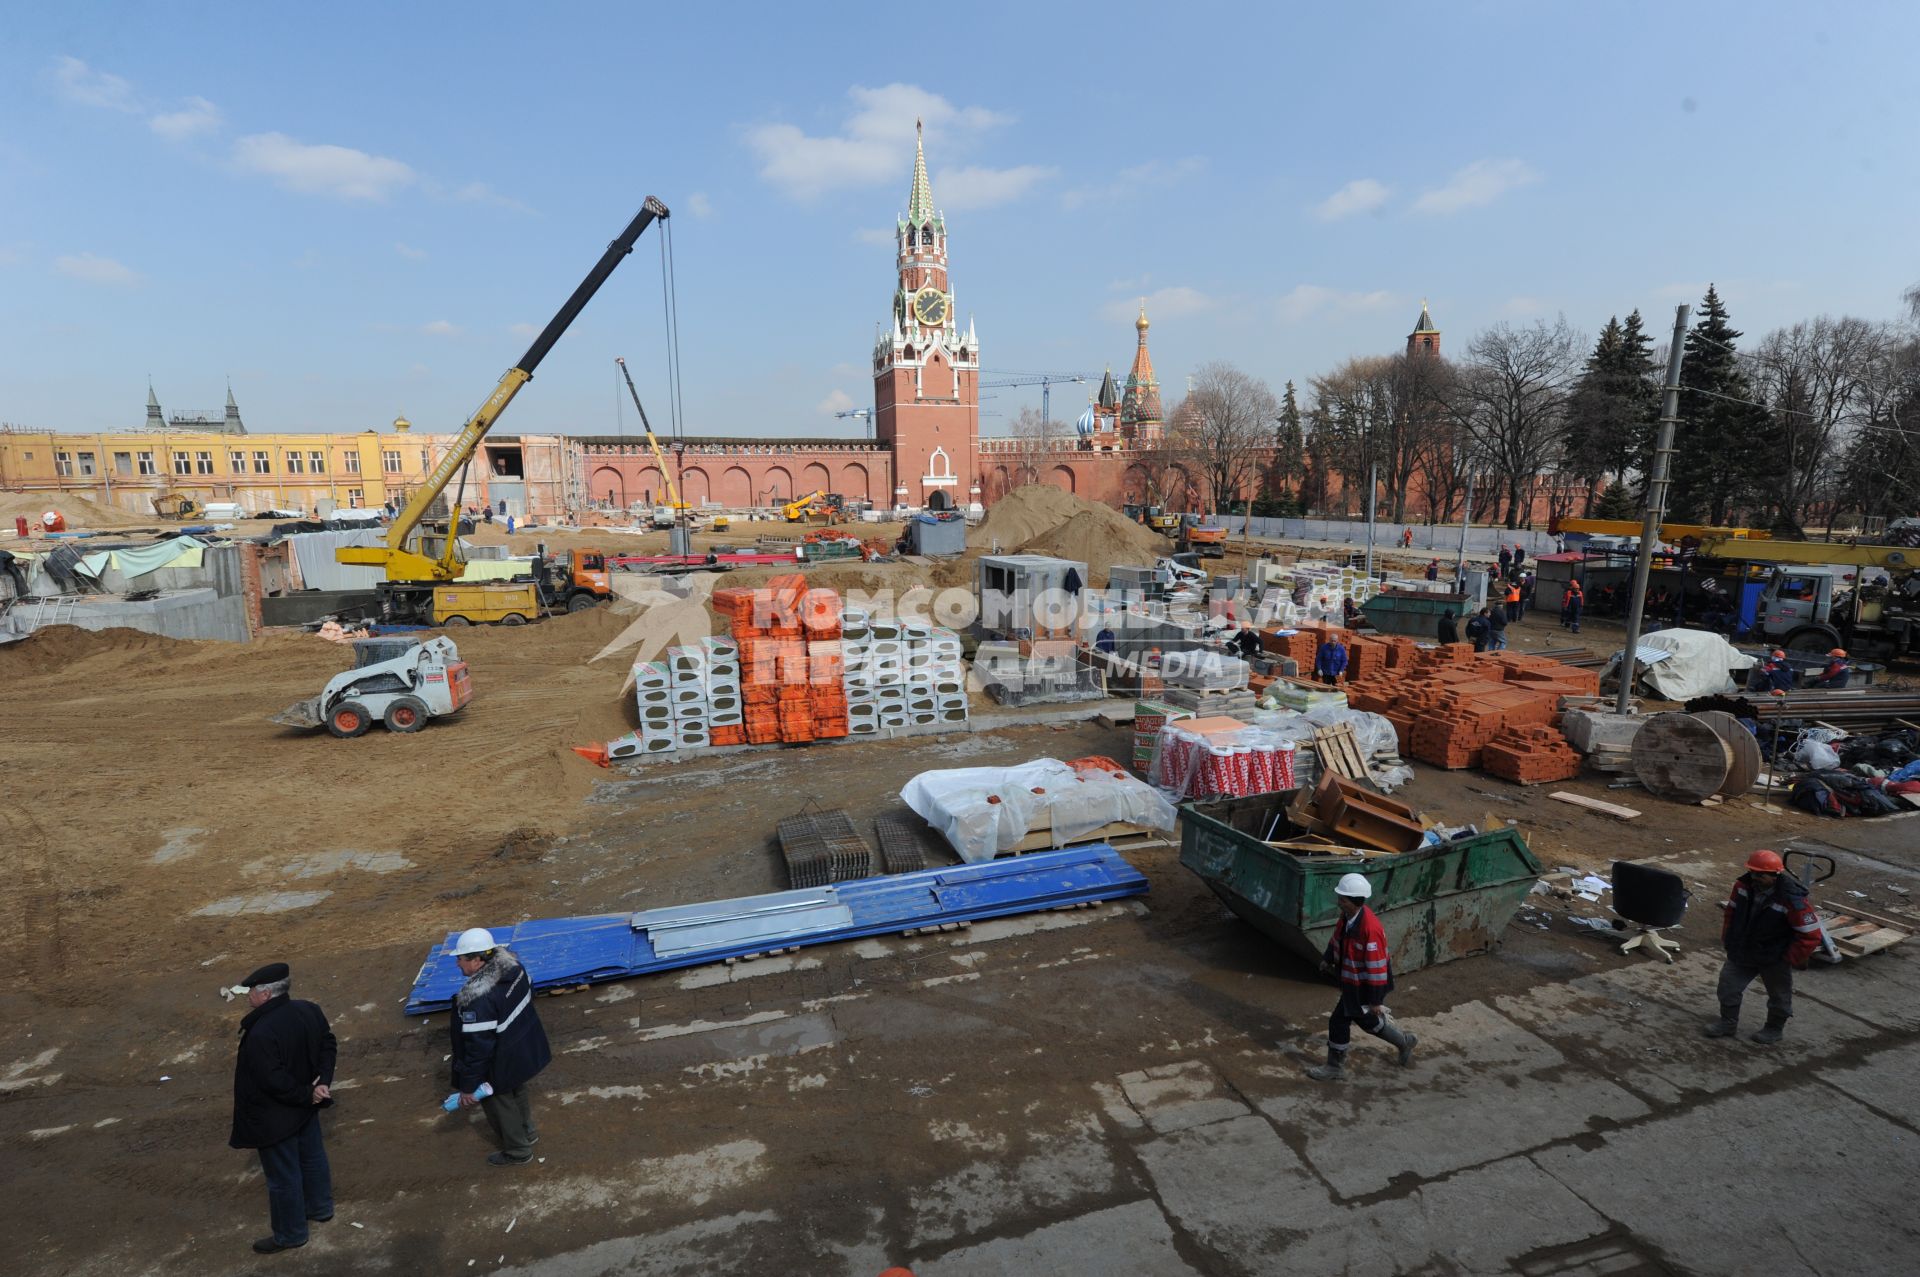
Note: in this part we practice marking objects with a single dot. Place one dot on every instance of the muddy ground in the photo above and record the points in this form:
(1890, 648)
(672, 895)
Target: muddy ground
(844, 1107)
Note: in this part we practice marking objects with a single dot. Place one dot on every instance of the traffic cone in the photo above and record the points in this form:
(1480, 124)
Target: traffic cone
(595, 754)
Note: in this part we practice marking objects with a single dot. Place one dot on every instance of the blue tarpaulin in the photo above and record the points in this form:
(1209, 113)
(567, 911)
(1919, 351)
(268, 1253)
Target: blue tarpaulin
(560, 952)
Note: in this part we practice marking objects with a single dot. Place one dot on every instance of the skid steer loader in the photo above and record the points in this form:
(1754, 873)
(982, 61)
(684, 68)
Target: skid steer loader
(400, 682)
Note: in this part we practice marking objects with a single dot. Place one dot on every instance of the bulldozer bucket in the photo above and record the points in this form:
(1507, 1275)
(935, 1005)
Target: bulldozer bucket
(300, 714)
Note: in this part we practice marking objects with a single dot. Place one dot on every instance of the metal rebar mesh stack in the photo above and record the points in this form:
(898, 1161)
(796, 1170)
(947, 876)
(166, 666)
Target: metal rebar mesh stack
(822, 847)
(908, 843)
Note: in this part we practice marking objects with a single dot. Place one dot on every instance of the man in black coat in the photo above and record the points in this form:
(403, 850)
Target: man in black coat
(1478, 629)
(282, 1078)
(498, 1040)
(1449, 632)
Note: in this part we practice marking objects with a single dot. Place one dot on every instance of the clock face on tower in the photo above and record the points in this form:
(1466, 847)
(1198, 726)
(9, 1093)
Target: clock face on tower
(930, 306)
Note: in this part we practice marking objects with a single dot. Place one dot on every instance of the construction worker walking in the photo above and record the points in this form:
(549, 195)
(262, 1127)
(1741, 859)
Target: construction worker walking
(1357, 957)
(1571, 604)
(497, 1040)
(1769, 931)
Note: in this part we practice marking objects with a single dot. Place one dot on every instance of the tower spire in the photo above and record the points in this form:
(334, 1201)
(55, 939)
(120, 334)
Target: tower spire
(154, 420)
(920, 199)
(1140, 406)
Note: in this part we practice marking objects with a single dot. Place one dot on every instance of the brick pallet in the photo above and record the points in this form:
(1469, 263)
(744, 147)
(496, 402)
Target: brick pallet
(1531, 756)
(1449, 704)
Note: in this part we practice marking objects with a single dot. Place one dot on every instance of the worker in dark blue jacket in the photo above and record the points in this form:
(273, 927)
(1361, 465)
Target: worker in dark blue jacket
(1837, 671)
(1772, 674)
(1330, 662)
(498, 1040)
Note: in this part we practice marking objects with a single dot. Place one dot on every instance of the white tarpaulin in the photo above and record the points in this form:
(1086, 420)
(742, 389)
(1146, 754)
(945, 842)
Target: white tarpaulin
(1698, 664)
(319, 570)
(984, 811)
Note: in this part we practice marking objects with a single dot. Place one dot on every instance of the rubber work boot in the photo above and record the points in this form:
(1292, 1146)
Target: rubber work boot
(1771, 1032)
(1394, 1035)
(1334, 1070)
(1727, 1025)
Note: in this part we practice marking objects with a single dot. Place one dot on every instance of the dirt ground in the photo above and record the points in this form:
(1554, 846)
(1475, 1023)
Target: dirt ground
(163, 838)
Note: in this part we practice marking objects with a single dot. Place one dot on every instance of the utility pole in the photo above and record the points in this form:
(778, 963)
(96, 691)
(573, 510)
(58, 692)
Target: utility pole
(1466, 517)
(1656, 510)
(1373, 489)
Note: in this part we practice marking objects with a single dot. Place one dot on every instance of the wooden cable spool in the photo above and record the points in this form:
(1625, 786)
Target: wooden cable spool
(1746, 751)
(1680, 757)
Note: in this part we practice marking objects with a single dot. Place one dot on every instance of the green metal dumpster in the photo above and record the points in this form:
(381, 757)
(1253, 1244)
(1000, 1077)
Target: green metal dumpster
(1436, 904)
(1406, 612)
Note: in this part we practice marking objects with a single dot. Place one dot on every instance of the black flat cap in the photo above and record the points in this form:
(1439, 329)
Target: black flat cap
(272, 973)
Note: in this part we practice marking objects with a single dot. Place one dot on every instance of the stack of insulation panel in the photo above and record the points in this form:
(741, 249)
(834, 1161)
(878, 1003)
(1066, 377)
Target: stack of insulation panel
(653, 692)
(901, 674)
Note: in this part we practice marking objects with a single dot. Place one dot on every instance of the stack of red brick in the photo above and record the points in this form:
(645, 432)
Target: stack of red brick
(791, 678)
(1449, 704)
(1531, 755)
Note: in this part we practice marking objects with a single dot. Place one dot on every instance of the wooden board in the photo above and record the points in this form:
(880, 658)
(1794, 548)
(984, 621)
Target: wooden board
(1594, 804)
(1339, 751)
(1041, 839)
(1745, 766)
(1679, 757)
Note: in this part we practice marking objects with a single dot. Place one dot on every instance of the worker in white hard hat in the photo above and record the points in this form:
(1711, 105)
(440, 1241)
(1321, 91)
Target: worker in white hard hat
(1357, 957)
(498, 1040)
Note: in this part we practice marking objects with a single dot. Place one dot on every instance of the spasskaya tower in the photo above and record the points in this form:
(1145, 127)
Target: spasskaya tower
(926, 371)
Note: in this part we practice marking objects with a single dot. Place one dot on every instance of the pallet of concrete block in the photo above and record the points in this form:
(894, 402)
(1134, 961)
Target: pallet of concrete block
(653, 701)
(900, 674)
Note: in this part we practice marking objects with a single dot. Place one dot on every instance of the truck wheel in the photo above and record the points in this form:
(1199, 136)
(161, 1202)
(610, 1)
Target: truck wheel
(406, 714)
(581, 602)
(1813, 640)
(349, 719)
(457, 623)
(513, 618)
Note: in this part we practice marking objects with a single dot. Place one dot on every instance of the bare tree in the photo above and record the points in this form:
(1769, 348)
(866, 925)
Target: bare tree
(1035, 439)
(1384, 411)
(1227, 430)
(1819, 378)
(1510, 401)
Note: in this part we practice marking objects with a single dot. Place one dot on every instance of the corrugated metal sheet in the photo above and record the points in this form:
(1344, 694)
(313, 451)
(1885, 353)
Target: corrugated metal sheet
(587, 950)
(319, 570)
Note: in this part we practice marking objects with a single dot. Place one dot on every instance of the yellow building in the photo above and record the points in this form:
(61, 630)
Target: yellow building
(212, 458)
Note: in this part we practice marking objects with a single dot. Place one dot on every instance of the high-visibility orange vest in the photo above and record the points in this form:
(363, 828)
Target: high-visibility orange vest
(1513, 594)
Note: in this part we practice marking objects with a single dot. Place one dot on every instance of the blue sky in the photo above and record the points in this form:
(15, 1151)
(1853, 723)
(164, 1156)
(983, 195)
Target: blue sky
(355, 211)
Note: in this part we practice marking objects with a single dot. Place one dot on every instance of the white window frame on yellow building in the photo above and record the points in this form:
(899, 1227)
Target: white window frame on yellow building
(144, 463)
(63, 464)
(317, 461)
(262, 461)
(390, 460)
(203, 462)
(353, 462)
(182, 462)
(296, 464)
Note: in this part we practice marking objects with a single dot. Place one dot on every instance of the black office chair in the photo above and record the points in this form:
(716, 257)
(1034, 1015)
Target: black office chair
(1653, 900)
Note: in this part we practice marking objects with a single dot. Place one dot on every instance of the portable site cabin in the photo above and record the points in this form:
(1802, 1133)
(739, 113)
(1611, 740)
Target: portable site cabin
(1029, 595)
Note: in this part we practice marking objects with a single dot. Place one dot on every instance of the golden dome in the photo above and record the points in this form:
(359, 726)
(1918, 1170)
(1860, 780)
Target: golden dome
(1141, 323)
(401, 425)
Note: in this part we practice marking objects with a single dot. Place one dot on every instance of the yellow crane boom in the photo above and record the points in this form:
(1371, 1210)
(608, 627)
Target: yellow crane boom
(1668, 531)
(673, 492)
(404, 564)
(1891, 557)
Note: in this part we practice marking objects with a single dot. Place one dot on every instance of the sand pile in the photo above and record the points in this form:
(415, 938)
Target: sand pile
(1039, 519)
(78, 511)
(1099, 537)
(1022, 515)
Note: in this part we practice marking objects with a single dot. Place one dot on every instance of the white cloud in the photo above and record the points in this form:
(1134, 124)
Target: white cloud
(1480, 182)
(196, 117)
(699, 205)
(836, 401)
(1166, 303)
(524, 330)
(870, 235)
(478, 193)
(410, 252)
(975, 187)
(1307, 300)
(1130, 182)
(80, 83)
(441, 328)
(94, 269)
(338, 171)
(1521, 307)
(875, 143)
(1363, 195)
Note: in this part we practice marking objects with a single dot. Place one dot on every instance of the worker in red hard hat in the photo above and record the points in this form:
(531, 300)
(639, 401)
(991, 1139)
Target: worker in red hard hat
(1837, 671)
(1769, 930)
(1772, 674)
(1358, 958)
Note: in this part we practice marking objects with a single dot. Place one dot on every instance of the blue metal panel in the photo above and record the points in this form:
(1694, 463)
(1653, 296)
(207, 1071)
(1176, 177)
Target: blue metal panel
(587, 950)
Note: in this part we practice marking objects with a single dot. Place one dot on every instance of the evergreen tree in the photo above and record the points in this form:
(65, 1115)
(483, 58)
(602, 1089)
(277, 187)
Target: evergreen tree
(1721, 443)
(1616, 503)
(1290, 458)
(1613, 403)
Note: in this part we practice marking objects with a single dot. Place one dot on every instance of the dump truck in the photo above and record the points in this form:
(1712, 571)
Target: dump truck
(397, 682)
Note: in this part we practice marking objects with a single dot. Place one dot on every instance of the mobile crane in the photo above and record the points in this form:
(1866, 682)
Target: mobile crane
(1809, 607)
(678, 509)
(416, 582)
